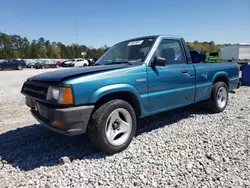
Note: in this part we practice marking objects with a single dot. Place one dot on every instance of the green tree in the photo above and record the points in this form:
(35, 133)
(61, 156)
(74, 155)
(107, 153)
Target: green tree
(33, 50)
(14, 46)
(55, 51)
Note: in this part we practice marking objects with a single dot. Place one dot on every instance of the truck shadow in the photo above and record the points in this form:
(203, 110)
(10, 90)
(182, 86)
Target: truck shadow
(33, 146)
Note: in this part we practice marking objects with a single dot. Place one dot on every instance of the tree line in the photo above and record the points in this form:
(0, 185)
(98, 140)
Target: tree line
(15, 46)
(205, 46)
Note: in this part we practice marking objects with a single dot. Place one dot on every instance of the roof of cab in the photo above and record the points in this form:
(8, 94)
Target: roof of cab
(152, 36)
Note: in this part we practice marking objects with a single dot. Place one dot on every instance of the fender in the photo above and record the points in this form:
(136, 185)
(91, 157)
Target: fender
(112, 89)
(219, 74)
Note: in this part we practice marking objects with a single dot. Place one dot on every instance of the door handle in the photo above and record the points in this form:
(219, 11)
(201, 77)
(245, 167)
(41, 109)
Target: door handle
(184, 71)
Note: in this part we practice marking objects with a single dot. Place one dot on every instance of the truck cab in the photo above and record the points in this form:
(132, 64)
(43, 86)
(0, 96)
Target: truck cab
(133, 79)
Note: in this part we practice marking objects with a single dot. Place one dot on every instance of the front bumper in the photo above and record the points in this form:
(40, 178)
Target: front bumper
(73, 120)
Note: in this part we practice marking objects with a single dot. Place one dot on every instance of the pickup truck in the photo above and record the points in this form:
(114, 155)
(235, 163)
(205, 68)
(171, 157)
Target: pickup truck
(133, 79)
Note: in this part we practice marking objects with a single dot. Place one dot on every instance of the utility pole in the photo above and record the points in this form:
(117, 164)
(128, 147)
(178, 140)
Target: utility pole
(76, 33)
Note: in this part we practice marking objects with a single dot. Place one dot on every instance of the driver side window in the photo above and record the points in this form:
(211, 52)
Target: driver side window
(170, 50)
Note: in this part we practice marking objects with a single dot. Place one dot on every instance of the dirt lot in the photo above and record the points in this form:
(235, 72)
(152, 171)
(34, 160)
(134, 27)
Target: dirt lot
(14, 114)
(188, 147)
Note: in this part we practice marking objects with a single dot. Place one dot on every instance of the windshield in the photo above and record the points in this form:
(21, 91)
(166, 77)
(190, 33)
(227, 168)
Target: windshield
(131, 51)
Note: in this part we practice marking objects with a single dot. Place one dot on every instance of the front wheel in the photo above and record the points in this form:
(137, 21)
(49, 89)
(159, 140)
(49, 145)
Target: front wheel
(19, 67)
(219, 97)
(112, 126)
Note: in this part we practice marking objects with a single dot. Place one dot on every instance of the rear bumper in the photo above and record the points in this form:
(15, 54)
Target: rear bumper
(73, 120)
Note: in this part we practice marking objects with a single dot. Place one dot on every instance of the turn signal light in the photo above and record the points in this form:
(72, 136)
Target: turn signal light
(67, 96)
(57, 123)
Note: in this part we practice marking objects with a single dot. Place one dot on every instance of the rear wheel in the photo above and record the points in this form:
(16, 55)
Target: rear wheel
(112, 126)
(219, 97)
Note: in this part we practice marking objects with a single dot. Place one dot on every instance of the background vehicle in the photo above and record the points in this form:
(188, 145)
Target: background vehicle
(135, 78)
(50, 64)
(30, 63)
(63, 61)
(58, 63)
(67, 63)
(92, 61)
(71, 62)
(238, 52)
(12, 64)
(40, 64)
(82, 63)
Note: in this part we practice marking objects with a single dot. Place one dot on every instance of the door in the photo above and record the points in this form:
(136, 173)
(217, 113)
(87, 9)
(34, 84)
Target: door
(8, 64)
(172, 85)
(3, 65)
(14, 64)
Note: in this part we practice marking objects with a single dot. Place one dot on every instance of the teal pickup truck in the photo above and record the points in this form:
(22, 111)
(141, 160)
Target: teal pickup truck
(133, 79)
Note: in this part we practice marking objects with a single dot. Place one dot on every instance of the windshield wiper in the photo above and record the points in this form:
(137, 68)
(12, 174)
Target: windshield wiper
(119, 62)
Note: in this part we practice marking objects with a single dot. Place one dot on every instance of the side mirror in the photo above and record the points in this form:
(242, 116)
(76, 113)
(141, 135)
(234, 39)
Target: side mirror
(159, 61)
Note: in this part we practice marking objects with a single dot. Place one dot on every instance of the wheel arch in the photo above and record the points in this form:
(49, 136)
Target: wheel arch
(107, 93)
(221, 77)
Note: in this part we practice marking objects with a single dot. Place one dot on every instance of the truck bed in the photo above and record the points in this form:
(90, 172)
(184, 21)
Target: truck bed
(206, 74)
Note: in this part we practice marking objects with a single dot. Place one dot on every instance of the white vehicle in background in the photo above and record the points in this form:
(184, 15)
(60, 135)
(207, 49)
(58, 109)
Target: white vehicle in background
(70, 62)
(237, 52)
(82, 63)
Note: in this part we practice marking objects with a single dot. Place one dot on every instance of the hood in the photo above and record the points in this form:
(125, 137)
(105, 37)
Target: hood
(58, 76)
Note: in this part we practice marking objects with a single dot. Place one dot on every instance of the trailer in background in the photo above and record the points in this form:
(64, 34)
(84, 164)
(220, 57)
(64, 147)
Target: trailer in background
(237, 52)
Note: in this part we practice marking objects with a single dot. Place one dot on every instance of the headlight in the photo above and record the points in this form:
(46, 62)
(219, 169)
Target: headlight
(55, 93)
(62, 95)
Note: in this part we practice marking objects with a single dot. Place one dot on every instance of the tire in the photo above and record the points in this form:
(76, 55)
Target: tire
(19, 67)
(103, 123)
(219, 97)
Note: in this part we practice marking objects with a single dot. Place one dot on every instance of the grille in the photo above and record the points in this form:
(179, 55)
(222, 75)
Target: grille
(35, 89)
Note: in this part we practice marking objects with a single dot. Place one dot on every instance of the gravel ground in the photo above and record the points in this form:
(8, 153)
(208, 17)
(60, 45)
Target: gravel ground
(189, 147)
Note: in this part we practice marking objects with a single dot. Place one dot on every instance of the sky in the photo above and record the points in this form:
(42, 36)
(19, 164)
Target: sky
(97, 22)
